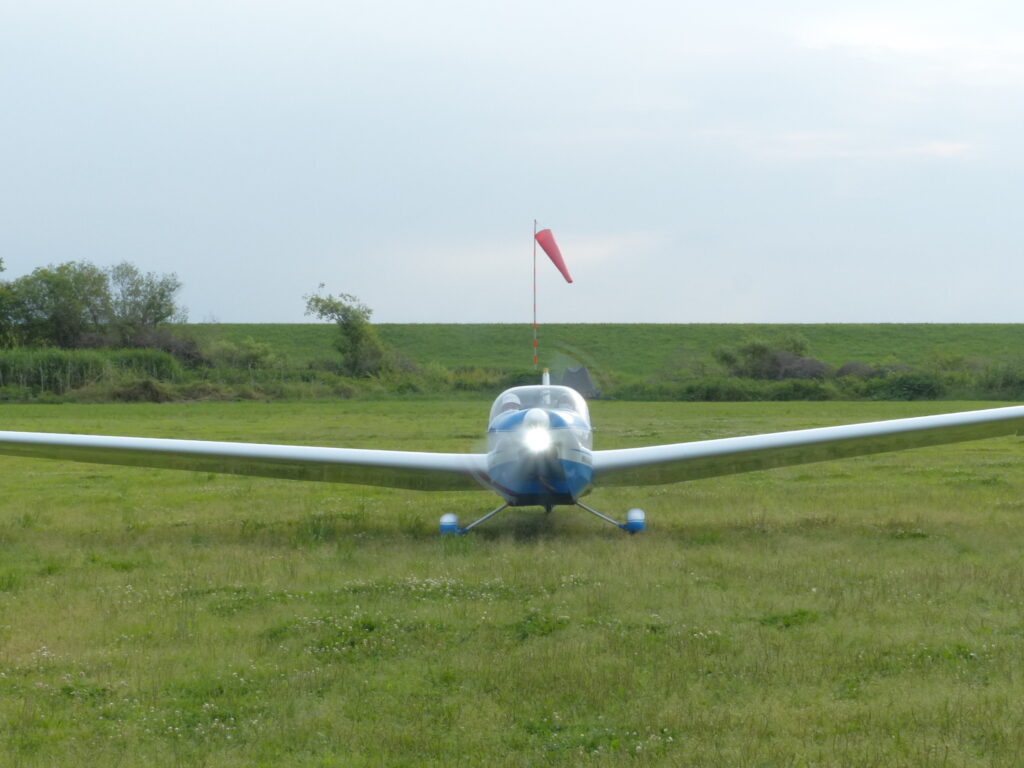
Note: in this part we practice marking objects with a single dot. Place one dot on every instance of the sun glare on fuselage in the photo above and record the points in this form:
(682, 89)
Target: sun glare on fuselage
(537, 439)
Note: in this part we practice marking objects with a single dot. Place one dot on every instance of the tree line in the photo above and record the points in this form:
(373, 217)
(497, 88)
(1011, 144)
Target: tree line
(78, 305)
(78, 331)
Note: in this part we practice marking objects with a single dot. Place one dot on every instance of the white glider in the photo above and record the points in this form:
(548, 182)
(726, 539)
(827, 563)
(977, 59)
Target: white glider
(539, 453)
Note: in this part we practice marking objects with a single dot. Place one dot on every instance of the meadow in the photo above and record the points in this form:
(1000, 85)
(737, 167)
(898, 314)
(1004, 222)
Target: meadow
(863, 612)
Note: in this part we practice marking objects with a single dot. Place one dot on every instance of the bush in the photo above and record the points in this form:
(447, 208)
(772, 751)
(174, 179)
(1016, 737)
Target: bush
(203, 390)
(772, 361)
(49, 369)
(490, 379)
(648, 391)
(1003, 381)
(143, 391)
(721, 390)
(856, 370)
(246, 353)
(14, 393)
(906, 386)
(704, 390)
(795, 367)
(153, 363)
(802, 389)
(169, 340)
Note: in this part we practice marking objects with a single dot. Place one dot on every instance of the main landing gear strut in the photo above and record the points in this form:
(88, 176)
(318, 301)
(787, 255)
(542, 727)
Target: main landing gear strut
(635, 520)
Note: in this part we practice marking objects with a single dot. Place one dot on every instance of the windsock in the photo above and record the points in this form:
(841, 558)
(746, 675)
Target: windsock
(547, 242)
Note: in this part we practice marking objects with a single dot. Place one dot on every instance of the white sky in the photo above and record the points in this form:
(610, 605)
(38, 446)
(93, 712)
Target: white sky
(698, 162)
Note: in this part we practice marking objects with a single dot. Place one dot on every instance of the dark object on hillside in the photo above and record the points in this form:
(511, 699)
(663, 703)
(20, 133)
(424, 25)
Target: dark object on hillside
(777, 365)
(790, 366)
(579, 379)
(767, 361)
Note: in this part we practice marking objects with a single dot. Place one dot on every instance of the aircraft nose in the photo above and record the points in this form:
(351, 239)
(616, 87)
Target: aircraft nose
(537, 430)
(536, 417)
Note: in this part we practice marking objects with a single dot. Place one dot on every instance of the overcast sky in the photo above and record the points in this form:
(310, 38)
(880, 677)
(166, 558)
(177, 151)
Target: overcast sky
(698, 162)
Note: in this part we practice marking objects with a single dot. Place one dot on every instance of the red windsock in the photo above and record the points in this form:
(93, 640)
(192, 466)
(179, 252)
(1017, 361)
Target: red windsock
(547, 242)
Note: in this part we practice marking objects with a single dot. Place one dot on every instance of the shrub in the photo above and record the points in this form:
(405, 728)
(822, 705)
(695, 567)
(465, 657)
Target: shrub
(247, 353)
(721, 390)
(170, 340)
(856, 370)
(142, 391)
(154, 363)
(61, 370)
(648, 390)
(1003, 381)
(794, 367)
(14, 393)
(802, 389)
(203, 390)
(906, 386)
(772, 361)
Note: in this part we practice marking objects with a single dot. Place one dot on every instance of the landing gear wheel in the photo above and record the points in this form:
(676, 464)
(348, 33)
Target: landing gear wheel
(635, 521)
(635, 518)
(449, 523)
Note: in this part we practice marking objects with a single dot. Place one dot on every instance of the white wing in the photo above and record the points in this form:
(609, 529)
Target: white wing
(707, 458)
(396, 469)
(458, 471)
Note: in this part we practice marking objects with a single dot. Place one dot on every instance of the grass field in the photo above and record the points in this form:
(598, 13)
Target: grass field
(865, 612)
(639, 349)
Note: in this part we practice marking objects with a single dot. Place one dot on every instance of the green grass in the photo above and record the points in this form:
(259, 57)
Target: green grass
(864, 612)
(640, 349)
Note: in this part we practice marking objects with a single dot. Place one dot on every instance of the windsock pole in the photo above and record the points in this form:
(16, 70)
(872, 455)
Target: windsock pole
(535, 358)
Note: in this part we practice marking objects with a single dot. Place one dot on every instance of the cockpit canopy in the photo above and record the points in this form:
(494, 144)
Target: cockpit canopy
(541, 396)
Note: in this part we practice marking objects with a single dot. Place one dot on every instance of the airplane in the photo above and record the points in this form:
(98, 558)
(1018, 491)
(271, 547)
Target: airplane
(539, 453)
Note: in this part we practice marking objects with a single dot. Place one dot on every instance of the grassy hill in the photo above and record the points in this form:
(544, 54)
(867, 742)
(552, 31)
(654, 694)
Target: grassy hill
(638, 349)
(627, 361)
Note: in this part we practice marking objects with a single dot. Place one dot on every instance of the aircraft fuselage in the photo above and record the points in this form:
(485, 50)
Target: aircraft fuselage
(539, 446)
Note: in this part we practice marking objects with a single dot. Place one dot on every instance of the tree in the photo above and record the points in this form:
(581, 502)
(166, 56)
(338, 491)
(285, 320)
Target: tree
(67, 305)
(78, 304)
(140, 302)
(6, 308)
(362, 351)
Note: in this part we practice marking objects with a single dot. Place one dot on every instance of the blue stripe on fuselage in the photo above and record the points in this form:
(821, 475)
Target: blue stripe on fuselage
(511, 420)
(559, 481)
